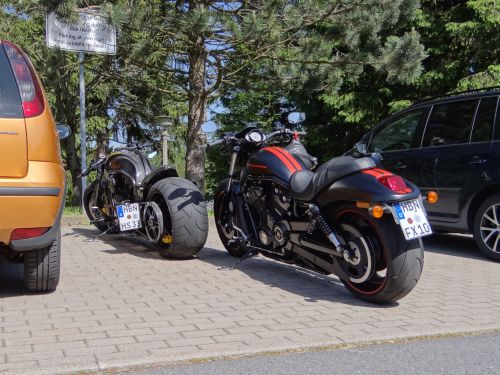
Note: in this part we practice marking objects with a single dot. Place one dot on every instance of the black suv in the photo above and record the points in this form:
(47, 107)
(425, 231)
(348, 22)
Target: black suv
(450, 145)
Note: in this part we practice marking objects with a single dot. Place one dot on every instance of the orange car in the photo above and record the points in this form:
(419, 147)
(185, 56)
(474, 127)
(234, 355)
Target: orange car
(32, 178)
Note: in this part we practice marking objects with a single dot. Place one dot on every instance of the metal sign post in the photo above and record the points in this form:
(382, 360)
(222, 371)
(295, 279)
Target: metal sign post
(83, 128)
(91, 33)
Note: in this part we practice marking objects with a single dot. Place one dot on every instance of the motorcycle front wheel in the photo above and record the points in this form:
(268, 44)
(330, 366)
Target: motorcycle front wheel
(385, 267)
(97, 219)
(224, 220)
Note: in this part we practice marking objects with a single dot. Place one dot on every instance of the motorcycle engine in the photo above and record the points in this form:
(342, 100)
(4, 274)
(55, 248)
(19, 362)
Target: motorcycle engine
(271, 204)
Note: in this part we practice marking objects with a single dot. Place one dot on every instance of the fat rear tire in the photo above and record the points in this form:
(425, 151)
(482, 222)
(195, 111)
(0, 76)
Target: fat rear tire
(401, 260)
(487, 247)
(42, 267)
(184, 214)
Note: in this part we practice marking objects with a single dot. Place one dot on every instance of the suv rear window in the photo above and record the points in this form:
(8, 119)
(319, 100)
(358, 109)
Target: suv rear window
(450, 123)
(10, 101)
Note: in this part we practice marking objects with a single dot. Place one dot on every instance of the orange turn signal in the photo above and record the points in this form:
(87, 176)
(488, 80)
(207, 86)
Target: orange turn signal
(432, 197)
(361, 204)
(377, 211)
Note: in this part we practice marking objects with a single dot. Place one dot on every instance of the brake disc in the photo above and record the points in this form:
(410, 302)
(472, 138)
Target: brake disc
(152, 218)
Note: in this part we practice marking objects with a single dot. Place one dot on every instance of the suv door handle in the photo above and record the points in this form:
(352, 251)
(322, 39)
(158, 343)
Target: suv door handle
(476, 160)
(400, 165)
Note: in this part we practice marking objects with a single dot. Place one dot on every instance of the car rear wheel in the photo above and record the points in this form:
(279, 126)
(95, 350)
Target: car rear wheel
(487, 227)
(42, 267)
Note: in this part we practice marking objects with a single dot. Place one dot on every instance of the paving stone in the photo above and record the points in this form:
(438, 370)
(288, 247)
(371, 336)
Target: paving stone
(110, 311)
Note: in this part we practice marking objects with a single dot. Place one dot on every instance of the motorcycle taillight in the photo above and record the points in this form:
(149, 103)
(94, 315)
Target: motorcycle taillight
(395, 183)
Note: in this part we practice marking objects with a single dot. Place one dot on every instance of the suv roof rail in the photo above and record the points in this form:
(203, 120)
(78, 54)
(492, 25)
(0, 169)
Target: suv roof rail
(466, 92)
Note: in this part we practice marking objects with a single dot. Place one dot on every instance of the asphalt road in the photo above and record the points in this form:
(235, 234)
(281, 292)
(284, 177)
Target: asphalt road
(457, 355)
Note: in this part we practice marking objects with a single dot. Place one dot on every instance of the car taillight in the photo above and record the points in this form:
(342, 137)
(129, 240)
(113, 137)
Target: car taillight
(23, 233)
(27, 82)
(395, 183)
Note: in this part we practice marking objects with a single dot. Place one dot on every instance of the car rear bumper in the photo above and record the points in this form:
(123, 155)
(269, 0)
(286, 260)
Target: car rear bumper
(35, 201)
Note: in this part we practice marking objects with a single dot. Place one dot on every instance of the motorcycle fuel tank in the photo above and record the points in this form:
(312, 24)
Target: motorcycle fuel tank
(133, 164)
(274, 162)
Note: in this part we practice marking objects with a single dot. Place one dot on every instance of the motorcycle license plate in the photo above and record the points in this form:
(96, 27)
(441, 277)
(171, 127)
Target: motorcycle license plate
(412, 219)
(129, 216)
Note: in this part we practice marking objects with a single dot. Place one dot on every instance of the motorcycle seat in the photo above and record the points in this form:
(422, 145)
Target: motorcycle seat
(305, 185)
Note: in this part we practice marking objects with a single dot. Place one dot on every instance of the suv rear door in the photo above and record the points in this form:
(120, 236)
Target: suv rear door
(460, 151)
(13, 146)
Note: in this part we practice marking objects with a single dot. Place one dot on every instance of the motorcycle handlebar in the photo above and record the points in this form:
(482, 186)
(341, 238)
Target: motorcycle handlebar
(269, 136)
(216, 143)
(284, 132)
(137, 146)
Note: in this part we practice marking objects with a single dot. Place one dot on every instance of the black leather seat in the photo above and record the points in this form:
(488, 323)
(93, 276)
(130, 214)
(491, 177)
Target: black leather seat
(304, 185)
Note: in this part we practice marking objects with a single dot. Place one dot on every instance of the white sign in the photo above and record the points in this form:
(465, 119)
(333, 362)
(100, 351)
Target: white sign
(91, 34)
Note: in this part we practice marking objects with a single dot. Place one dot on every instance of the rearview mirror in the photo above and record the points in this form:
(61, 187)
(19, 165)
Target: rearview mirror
(63, 130)
(152, 154)
(209, 127)
(296, 117)
(361, 148)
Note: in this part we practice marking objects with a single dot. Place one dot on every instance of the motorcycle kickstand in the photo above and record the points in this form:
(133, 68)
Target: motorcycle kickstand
(247, 255)
(102, 234)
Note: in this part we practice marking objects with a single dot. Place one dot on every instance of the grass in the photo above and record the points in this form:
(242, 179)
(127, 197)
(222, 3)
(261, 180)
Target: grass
(72, 211)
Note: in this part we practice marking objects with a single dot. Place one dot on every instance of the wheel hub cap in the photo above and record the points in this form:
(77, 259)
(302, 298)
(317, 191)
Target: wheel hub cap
(490, 228)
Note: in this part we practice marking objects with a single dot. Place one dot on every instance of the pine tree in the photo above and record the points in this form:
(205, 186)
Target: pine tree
(308, 43)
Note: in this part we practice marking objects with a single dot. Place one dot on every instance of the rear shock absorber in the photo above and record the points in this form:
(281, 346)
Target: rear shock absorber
(315, 215)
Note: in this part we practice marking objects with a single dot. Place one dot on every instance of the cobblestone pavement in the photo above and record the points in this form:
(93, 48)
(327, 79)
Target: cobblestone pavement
(120, 304)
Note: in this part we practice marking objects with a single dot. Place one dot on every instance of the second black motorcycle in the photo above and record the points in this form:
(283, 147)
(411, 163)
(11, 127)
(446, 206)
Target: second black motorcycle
(347, 217)
(128, 196)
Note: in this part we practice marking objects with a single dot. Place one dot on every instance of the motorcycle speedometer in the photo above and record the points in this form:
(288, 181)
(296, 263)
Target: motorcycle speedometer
(255, 136)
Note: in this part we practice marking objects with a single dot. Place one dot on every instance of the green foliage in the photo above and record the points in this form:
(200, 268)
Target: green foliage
(462, 52)
(313, 55)
(123, 96)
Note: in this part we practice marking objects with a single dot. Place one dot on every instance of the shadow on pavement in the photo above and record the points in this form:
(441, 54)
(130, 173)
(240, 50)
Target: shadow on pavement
(121, 244)
(311, 286)
(458, 245)
(11, 277)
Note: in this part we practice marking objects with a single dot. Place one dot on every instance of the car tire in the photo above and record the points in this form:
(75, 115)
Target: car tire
(487, 227)
(42, 267)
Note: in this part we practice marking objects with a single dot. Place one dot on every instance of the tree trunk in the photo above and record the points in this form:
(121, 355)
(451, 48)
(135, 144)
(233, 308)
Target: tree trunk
(197, 97)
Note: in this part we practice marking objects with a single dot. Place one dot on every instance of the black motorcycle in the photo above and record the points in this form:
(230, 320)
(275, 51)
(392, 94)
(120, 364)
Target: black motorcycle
(129, 196)
(347, 218)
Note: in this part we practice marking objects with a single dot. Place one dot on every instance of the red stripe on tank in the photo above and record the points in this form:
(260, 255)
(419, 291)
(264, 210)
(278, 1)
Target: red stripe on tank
(283, 159)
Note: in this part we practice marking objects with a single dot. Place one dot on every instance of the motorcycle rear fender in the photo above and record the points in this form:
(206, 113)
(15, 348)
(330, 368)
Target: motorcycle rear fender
(362, 187)
(155, 176)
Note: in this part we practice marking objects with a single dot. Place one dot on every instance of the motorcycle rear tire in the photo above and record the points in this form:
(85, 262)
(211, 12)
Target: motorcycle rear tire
(401, 260)
(184, 214)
